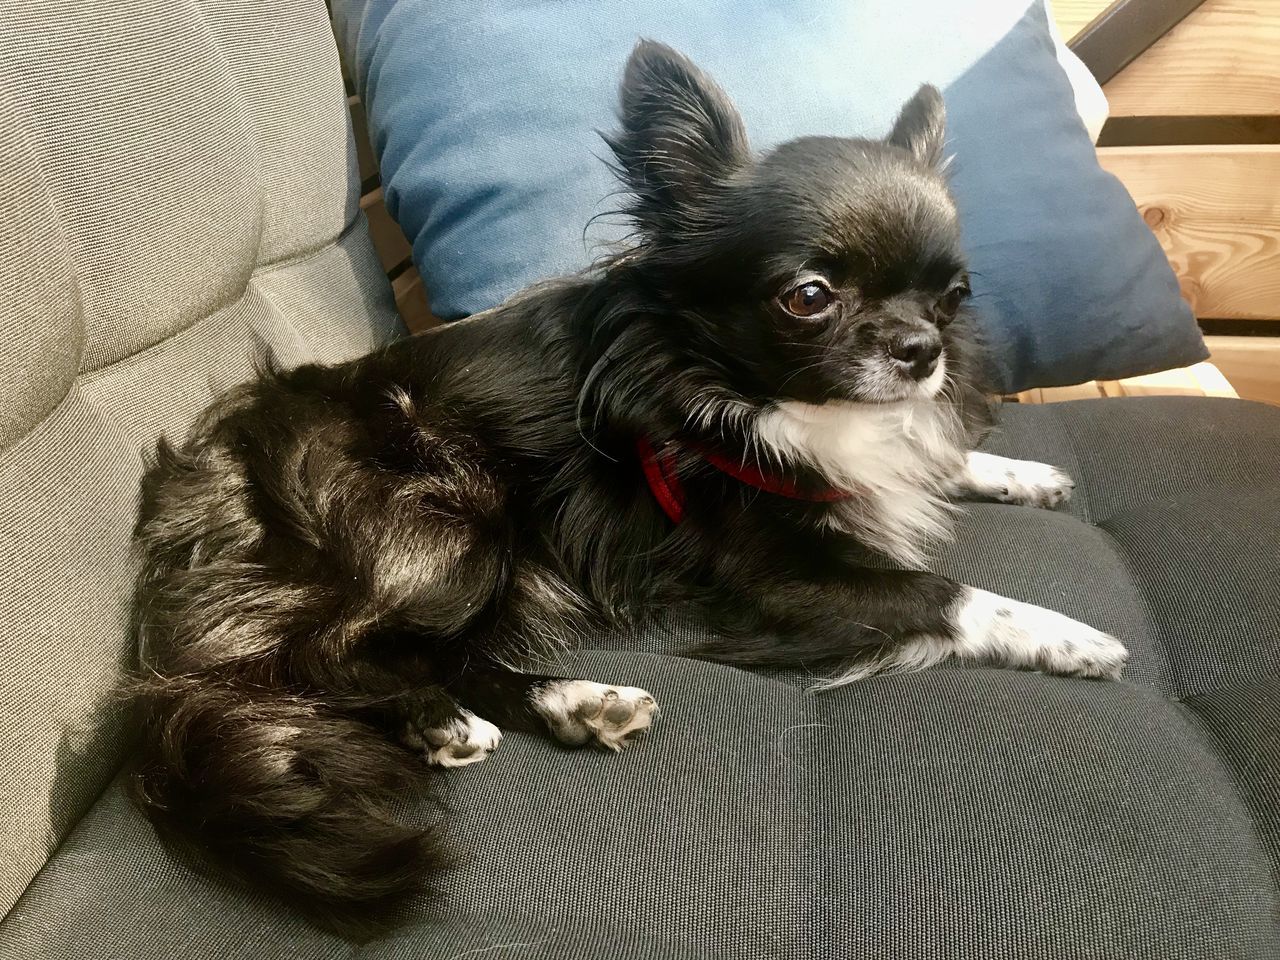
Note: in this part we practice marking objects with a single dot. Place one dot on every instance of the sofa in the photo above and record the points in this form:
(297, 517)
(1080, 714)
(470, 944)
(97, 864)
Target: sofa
(179, 188)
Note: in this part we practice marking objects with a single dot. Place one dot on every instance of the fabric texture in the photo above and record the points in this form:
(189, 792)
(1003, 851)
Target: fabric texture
(958, 812)
(177, 192)
(485, 118)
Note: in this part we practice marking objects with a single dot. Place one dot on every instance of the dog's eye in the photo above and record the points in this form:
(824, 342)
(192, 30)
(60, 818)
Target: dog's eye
(950, 302)
(807, 300)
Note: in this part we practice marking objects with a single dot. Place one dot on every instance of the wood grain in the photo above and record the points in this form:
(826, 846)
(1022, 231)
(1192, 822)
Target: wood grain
(1252, 364)
(1220, 61)
(1223, 59)
(1216, 212)
(1072, 15)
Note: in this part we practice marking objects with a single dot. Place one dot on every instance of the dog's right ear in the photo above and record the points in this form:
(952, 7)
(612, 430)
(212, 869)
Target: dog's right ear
(680, 136)
(921, 127)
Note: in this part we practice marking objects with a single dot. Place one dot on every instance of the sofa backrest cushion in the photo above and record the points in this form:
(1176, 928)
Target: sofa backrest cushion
(177, 188)
(485, 117)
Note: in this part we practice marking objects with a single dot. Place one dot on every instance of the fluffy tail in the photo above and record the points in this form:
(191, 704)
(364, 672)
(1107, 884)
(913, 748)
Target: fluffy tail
(285, 793)
(243, 756)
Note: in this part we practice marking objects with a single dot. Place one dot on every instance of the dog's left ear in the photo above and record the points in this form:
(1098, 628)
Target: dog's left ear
(921, 127)
(680, 136)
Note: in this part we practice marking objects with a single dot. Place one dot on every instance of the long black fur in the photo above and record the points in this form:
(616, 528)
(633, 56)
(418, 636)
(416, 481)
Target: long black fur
(333, 542)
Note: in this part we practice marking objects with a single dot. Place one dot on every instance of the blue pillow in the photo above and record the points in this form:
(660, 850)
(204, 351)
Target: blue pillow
(485, 114)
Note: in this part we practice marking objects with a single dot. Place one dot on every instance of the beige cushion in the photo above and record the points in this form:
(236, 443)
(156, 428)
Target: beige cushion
(177, 182)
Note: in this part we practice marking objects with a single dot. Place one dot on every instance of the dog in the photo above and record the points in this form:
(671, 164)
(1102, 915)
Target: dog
(761, 409)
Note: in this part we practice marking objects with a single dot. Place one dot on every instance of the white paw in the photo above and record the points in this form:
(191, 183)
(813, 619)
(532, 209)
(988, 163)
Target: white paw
(1018, 481)
(580, 711)
(992, 627)
(458, 743)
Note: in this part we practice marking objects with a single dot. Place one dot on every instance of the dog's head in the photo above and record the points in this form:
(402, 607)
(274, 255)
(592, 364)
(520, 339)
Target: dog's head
(826, 269)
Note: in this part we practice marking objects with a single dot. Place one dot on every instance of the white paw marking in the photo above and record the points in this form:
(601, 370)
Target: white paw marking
(580, 711)
(459, 743)
(1005, 632)
(992, 627)
(1017, 481)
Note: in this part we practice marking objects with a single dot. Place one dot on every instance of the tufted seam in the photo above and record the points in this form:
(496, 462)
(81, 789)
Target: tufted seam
(282, 263)
(1179, 686)
(39, 148)
(240, 107)
(92, 376)
(1078, 432)
(1165, 674)
(1219, 688)
(1168, 676)
(140, 355)
(1214, 746)
(256, 152)
(263, 265)
(59, 205)
(1081, 500)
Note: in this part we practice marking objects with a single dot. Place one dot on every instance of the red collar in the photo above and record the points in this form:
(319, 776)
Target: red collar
(660, 471)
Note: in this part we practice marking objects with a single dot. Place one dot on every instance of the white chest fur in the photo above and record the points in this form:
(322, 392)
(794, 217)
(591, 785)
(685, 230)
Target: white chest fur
(895, 458)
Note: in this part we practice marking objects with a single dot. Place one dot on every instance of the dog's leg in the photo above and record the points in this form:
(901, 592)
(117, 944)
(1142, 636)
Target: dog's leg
(989, 477)
(447, 734)
(877, 621)
(576, 712)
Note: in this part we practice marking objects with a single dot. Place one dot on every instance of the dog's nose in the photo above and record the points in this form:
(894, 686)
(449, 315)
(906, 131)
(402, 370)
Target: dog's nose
(916, 353)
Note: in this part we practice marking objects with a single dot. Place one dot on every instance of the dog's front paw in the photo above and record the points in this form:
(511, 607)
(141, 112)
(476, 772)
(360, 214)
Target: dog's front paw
(580, 712)
(460, 741)
(1035, 485)
(993, 627)
(1019, 481)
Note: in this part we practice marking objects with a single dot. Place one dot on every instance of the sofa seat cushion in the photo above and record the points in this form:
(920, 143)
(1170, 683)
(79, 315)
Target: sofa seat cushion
(958, 812)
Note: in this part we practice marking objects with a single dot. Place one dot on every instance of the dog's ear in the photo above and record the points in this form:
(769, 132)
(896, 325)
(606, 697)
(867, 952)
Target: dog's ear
(680, 135)
(921, 127)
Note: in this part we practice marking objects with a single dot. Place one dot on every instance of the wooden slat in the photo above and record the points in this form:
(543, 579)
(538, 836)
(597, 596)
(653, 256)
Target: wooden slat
(1181, 131)
(1216, 212)
(411, 300)
(1082, 391)
(1072, 15)
(1213, 381)
(1252, 364)
(1200, 380)
(1222, 60)
(1125, 31)
(1219, 61)
(388, 239)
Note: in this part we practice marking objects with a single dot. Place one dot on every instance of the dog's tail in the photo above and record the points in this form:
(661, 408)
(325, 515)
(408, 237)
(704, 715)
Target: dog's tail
(240, 757)
(285, 792)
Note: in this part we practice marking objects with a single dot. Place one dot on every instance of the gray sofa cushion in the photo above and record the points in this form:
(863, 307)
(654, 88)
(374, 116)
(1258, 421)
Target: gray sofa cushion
(176, 188)
(960, 812)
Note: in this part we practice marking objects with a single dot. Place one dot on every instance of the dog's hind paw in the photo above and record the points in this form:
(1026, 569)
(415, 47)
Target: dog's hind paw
(580, 712)
(461, 741)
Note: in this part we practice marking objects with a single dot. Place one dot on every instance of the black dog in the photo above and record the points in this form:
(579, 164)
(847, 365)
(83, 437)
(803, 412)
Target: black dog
(757, 411)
